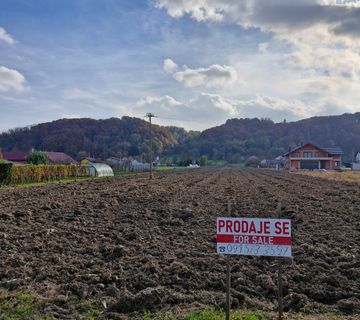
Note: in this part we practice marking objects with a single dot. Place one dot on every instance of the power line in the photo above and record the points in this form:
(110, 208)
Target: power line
(177, 119)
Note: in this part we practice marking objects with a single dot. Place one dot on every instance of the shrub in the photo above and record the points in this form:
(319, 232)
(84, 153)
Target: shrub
(37, 157)
(5, 172)
(2, 160)
(252, 162)
(203, 161)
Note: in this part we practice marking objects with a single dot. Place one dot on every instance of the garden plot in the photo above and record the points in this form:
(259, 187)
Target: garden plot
(126, 244)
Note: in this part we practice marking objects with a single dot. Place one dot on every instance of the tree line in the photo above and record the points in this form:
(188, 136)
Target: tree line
(235, 141)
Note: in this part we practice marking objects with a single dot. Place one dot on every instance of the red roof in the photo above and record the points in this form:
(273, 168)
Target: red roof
(330, 150)
(59, 158)
(17, 156)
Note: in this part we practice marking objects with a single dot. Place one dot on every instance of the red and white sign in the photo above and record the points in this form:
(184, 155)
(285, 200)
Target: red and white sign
(254, 236)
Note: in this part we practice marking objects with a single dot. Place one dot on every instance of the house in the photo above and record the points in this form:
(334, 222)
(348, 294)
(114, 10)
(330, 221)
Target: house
(276, 163)
(119, 164)
(137, 166)
(310, 156)
(59, 158)
(357, 157)
(356, 165)
(18, 157)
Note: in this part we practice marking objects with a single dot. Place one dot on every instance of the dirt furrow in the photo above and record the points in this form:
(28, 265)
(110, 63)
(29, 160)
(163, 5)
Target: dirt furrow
(138, 244)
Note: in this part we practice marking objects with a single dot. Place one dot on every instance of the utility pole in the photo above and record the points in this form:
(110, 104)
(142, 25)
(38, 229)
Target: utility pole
(150, 115)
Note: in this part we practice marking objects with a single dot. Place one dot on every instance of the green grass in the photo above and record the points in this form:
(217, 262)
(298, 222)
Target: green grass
(223, 163)
(25, 306)
(87, 309)
(217, 163)
(165, 168)
(214, 314)
(44, 183)
(19, 306)
(236, 165)
(207, 314)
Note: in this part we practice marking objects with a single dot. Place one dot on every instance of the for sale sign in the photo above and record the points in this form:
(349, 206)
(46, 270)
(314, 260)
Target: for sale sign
(254, 236)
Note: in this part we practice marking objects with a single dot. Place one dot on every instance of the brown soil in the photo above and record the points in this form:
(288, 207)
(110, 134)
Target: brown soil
(131, 245)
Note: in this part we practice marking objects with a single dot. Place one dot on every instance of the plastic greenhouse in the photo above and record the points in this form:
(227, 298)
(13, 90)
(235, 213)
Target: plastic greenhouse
(99, 170)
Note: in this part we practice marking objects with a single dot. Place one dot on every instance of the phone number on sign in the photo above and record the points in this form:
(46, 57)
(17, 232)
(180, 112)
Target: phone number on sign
(254, 250)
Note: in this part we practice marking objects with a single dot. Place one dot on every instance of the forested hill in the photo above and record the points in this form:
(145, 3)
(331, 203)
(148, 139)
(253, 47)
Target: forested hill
(100, 138)
(233, 141)
(238, 139)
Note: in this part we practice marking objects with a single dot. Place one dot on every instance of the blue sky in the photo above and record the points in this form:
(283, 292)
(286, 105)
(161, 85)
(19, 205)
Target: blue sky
(194, 63)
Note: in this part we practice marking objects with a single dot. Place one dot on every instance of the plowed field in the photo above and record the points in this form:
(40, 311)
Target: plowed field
(128, 245)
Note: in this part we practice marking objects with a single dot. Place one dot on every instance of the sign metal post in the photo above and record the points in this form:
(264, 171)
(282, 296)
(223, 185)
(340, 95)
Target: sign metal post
(280, 289)
(227, 288)
(228, 277)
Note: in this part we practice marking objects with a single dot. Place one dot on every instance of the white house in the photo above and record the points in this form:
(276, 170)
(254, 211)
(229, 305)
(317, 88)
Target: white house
(356, 164)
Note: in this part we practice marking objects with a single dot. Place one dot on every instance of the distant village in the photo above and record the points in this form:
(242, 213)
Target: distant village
(94, 166)
(307, 156)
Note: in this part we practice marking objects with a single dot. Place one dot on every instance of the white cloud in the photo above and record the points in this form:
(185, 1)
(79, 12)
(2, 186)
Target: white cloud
(4, 36)
(11, 80)
(169, 66)
(263, 47)
(206, 107)
(264, 14)
(321, 39)
(201, 10)
(212, 76)
(90, 100)
(162, 104)
(216, 109)
(276, 107)
(77, 94)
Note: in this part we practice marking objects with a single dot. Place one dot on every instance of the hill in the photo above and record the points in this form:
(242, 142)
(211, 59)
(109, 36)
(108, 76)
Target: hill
(238, 139)
(100, 138)
(233, 141)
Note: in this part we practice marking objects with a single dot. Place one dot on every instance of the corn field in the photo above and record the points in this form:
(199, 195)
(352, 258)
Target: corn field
(41, 173)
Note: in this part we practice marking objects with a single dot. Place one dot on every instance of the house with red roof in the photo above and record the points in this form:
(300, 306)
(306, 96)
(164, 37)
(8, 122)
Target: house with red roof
(18, 157)
(310, 156)
(59, 158)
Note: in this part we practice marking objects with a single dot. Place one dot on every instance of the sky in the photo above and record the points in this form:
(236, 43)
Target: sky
(193, 63)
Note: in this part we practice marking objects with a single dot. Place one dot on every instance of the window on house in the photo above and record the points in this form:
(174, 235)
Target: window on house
(307, 154)
(337, 163)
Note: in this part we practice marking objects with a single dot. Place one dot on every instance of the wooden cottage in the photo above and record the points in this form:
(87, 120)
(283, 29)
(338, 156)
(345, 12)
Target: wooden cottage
(310, 156)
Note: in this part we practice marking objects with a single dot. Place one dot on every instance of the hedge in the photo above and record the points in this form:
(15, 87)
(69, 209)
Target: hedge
(41, 173)
(6, 170)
